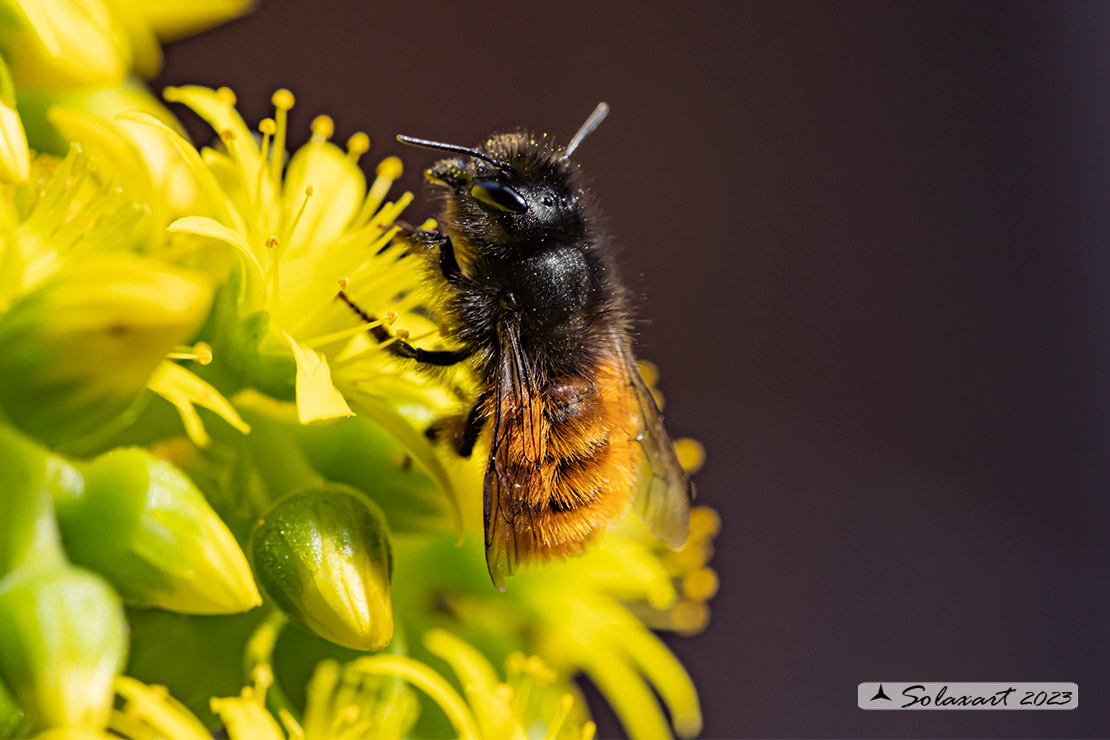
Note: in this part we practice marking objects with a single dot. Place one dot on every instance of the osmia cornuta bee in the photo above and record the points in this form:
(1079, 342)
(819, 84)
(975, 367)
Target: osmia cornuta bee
(530, 298)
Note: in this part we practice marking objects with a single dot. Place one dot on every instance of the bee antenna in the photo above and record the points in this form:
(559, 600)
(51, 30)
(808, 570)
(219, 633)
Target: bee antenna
(587, 128)
(454, 149)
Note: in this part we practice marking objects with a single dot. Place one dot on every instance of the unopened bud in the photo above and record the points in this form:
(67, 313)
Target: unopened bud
(142, 524)
(324, 555)
(63, 639)
(28, 533)
(75, 351)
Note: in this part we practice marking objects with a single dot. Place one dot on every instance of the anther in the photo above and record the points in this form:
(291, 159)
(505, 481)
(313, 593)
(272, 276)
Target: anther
(504, 692)
(357, 145)
(200, 353)
(700, 584)
(390, 168)
(704, 522)
(203, 352)
(589, 730)
(273, 242)
(322, 128)
(267, 127)
(283, 99)
(691, 454)
(344, 283)
(227, 135)
(689, 616)
(514, 664)
(226, 96)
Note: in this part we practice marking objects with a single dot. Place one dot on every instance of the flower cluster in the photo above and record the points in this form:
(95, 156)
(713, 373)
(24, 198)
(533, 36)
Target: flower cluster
(218, 507)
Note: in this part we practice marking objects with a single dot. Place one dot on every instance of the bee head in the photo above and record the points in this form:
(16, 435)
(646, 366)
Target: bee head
(512, 188)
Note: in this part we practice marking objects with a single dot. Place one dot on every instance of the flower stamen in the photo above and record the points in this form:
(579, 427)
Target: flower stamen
(283, 101)
(565, 703)
(389, 170)
(267, 128)
(322, 129)
(300, 212)
(357, 145)
(200, 353)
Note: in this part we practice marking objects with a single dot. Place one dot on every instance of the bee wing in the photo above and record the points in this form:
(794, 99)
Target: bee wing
(516, 449)
(663, 490)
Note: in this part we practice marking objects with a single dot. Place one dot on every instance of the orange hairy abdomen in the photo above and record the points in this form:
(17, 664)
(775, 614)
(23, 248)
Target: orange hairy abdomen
(571, 458)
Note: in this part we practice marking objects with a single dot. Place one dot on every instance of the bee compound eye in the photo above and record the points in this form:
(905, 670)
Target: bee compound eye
(498, 195)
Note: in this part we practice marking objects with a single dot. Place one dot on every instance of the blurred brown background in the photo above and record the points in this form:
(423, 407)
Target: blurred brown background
(871, 241)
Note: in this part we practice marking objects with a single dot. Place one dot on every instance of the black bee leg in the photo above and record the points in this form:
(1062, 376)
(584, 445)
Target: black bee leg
(401, 348)
(461, 433)
(471, 429)
(439, 357)
(448, 265)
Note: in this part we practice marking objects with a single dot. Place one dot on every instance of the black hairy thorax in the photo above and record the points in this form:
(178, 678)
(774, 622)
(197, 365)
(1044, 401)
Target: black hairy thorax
(547, 267)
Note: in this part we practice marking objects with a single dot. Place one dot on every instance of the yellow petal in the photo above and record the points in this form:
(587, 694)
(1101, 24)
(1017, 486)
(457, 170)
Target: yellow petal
(206, 182)
(250, 188)
(478, 679)
(201, 226)
(14, 156)
(246, 718)
(338, 187)
(186, 391)
(105, 145)
(154, 707)
(66, 43)
(428, 681)
(317, 397)
(171, 20)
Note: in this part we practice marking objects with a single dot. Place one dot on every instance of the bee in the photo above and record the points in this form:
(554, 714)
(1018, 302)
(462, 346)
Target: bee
(529, 296)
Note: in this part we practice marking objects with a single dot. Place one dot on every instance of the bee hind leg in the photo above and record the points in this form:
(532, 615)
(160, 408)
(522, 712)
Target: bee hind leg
(461, 432)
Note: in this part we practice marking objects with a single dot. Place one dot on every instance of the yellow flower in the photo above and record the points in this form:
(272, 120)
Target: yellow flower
(87, 322)
(374, 696)
(595, 613)
(56, 44)
(303, 231)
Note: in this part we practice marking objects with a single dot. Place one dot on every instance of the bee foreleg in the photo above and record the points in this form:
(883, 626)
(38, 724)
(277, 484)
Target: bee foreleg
(438, 357)
(401, 348)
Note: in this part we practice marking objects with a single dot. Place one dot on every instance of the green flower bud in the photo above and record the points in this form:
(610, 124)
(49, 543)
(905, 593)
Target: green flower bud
(28, 533)
(324, 555)
(75, 351)
(142, 524)
(63, 639)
